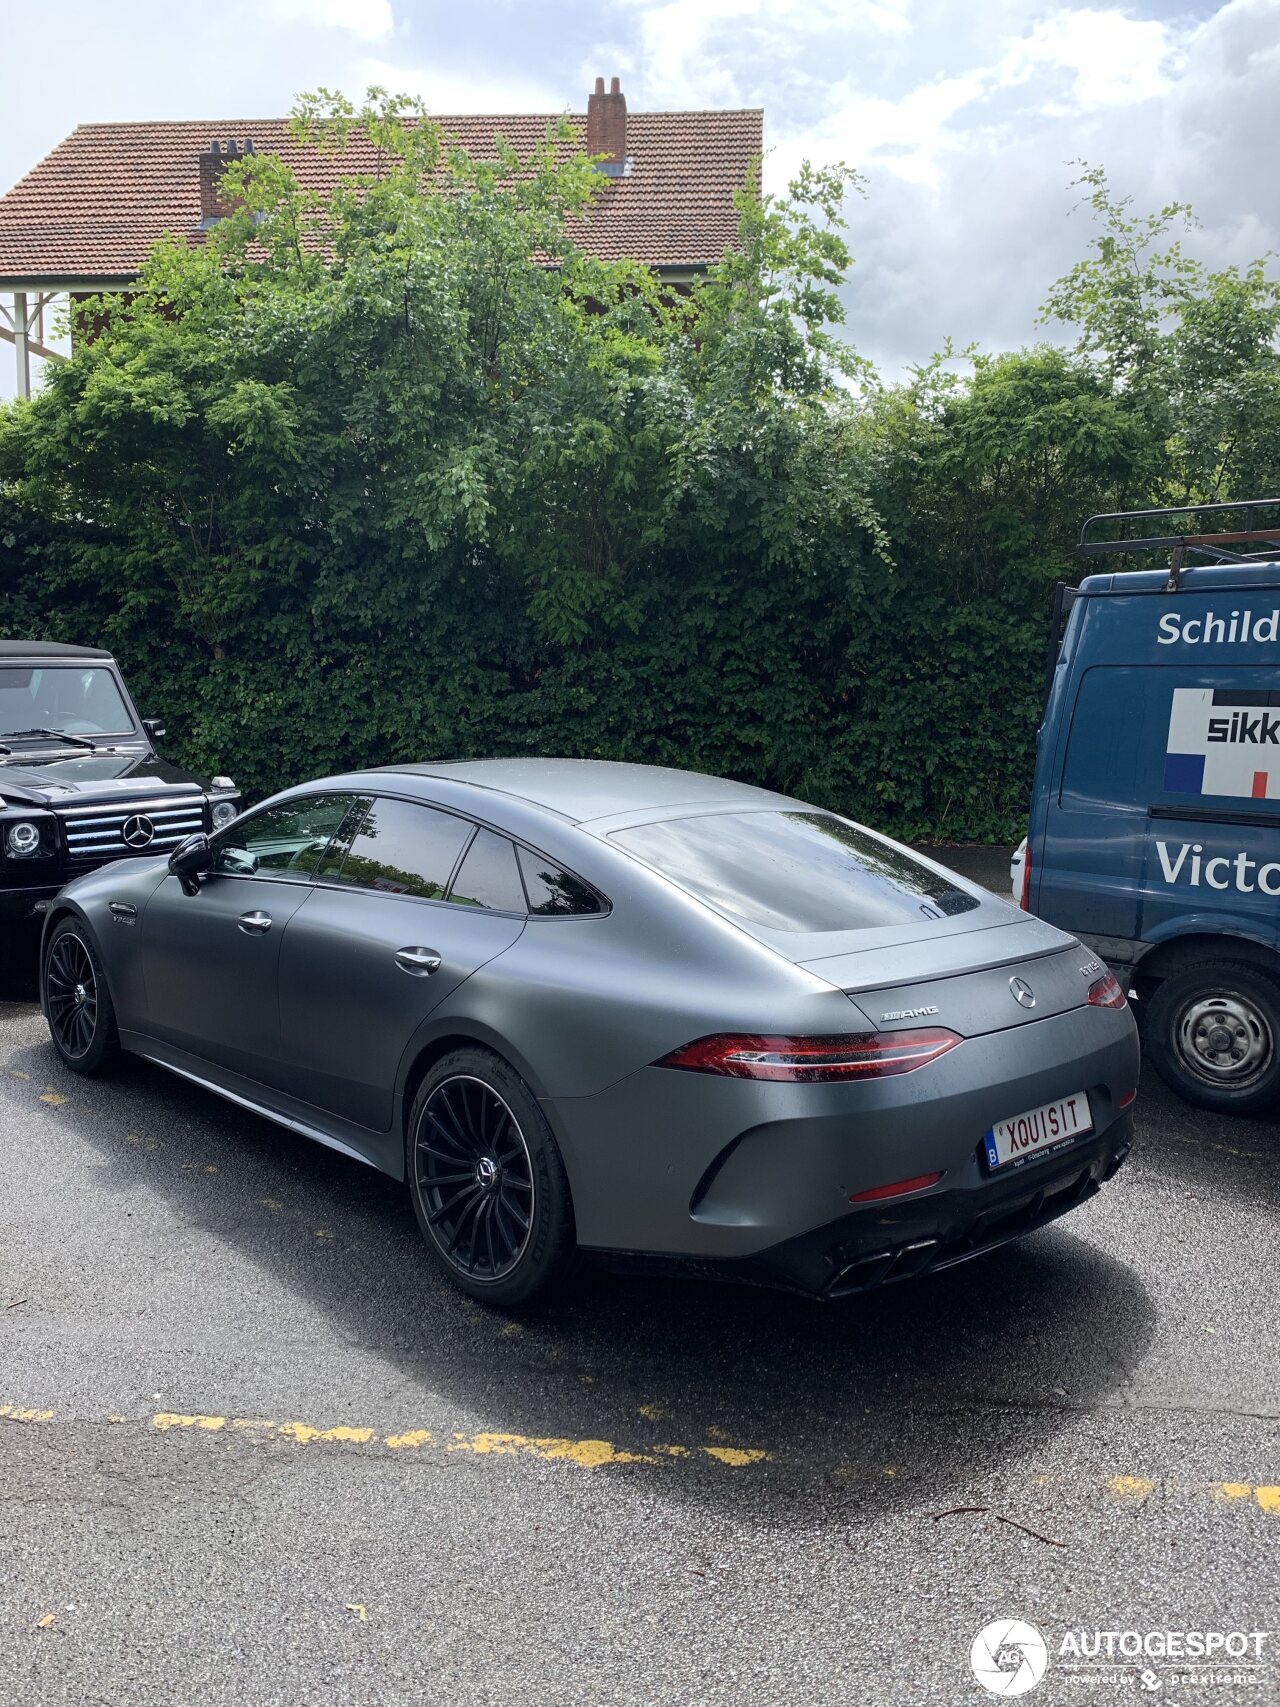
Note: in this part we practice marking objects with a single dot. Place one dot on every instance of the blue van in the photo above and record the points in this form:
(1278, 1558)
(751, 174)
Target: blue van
(1155, 819)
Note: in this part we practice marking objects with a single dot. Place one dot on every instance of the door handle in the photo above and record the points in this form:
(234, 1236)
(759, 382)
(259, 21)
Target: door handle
(418, 962)
(254, 924)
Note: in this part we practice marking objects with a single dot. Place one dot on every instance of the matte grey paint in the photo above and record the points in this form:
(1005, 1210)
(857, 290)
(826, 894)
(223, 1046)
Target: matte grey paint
(316, 1024)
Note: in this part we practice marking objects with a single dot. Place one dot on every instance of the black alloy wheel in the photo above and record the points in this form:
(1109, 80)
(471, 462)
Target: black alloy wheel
(476, 1178)
(77, 1002)
(488, 1186)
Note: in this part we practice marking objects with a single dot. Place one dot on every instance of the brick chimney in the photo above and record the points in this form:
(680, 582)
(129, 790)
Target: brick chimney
(607, 126)
(213, 163)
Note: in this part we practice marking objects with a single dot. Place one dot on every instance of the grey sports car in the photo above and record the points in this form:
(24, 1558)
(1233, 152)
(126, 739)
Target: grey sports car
(616, 1008)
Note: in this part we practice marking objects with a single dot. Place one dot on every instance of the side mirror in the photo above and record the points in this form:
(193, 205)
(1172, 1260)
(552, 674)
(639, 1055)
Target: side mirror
(154, 727)
(189, 859)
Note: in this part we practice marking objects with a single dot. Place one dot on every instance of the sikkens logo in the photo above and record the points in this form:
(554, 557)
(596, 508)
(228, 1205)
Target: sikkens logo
(1241, 871)
(1232, 628)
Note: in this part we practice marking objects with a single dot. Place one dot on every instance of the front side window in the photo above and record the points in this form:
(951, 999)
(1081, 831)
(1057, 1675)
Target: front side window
(68, 699)
(794, 871)
(399, 848)
(284, 841)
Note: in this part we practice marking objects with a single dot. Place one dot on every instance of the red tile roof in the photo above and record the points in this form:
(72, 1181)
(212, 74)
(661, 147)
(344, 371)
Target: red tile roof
(92, 209)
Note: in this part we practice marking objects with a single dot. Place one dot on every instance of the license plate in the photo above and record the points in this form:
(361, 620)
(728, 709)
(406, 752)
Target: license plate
(1040, 1129)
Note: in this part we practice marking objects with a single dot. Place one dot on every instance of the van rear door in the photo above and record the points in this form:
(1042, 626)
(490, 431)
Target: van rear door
(1087, 867)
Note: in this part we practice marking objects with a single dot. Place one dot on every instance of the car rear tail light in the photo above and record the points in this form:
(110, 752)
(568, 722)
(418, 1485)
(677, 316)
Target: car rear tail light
(1128, 1098)
(805, 1060)
(1106, 993)
(1026, 877)
(900, 1189)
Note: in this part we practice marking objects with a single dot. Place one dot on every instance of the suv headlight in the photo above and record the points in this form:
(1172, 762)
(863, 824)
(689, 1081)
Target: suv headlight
(26, 839)
(223, 812)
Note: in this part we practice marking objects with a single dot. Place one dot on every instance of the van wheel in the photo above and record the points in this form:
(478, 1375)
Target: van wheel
(1213, 1034)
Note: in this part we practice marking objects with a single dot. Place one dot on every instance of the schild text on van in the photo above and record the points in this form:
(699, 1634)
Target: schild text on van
(1237, 627)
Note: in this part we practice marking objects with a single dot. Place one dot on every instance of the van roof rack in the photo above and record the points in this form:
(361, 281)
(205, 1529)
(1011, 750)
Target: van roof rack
(1213, 546)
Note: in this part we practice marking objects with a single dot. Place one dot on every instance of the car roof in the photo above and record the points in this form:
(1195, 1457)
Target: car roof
(583, 789)
(47, 649)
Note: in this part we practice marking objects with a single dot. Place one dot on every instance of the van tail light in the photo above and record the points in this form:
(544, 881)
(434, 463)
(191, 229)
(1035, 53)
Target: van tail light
(1026, 877)
(1106, 993)
(809, 1060)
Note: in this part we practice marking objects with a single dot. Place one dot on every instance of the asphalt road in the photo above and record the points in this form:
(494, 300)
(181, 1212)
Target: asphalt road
(253, 1450)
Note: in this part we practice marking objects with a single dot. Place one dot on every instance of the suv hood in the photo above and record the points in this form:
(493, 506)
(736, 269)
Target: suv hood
(91, 778)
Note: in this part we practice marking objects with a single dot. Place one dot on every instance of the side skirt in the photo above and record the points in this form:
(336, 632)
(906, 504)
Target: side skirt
(248, 1095)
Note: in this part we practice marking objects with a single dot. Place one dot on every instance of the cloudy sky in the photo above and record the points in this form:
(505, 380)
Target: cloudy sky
(963, 117)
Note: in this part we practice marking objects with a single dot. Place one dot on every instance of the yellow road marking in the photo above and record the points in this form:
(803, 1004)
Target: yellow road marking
(1131, 1487)
(587, 1454)
(52, 1097)
(592, 1454)
(303, 1432)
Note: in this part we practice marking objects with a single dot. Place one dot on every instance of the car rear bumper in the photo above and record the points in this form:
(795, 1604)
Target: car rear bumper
(691, 1165)
(887, 1242)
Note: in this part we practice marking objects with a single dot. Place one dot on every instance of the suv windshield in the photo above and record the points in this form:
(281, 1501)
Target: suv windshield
(71, 699)
(794, 871)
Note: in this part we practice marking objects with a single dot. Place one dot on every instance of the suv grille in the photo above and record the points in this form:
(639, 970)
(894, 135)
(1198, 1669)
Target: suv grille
(97, 833)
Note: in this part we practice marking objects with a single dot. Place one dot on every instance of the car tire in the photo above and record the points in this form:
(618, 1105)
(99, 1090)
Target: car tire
(1213, 1034)
(486, 1180)
(77, 1002)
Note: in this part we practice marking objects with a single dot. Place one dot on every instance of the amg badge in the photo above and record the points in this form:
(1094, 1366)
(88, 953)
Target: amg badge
(908, 1013)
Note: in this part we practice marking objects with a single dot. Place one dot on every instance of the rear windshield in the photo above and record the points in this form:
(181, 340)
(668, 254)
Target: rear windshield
(794, 871)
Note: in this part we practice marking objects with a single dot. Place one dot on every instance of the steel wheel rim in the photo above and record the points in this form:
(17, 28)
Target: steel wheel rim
(474, 1179)
(71, 995)
(1225, 1039)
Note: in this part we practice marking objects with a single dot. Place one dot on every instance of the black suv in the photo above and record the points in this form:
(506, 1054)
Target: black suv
(80, 781)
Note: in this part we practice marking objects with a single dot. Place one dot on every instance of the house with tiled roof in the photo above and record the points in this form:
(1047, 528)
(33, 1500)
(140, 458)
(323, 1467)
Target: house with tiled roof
(84, 220)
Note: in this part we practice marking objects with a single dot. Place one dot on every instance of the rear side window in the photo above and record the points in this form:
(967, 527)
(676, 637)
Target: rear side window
(794, 871)
(489, 875)
(552, 889)
(398, 848)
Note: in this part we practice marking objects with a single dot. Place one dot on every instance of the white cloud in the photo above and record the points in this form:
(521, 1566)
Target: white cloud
(371, 20)
(1111, 57)
(703, 52)
(468, 88)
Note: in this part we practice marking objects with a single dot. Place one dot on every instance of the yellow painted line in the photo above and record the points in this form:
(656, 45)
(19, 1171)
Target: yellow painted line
(1232, 1490)
(52, 1097)
(552, 1449)
(591, 1454)
(1131, 1487)
(587, 1454)
(303, 1433)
